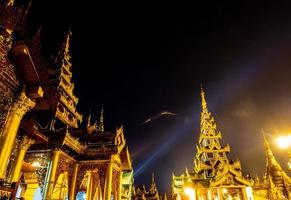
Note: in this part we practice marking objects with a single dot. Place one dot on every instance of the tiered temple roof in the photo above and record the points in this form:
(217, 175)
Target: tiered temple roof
(141, 193)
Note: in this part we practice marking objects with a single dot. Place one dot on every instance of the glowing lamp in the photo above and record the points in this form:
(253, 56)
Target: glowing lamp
(190, 192)
(35, 164)
(249, 192)
(284, 141)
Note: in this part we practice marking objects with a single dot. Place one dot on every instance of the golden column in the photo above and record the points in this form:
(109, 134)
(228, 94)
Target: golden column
(21, 105)
(89, 195)
(73, 187)
(108, 181)
(244, 193)
(219, 190)
(120, 185)
(52, 174)
(24, 145)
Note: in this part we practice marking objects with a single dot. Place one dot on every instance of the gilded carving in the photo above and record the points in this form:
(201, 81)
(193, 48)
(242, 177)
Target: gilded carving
(26, 143)
(22, 104)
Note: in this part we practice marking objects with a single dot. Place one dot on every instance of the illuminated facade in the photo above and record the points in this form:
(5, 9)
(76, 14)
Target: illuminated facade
(216, 177)
(45, 152)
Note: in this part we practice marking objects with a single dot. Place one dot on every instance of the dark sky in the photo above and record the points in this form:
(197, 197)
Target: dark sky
(140, 58)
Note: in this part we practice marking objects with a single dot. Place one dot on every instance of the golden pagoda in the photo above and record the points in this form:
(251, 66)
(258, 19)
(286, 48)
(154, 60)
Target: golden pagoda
(214, 176)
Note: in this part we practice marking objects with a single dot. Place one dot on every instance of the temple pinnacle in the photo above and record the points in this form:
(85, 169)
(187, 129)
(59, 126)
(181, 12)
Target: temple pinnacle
(203, 101)
(101, 122)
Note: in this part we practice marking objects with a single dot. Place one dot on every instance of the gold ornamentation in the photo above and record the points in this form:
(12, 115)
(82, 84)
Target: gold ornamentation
(26, 143)
(22, 104)
(74, 143)
(4, 193)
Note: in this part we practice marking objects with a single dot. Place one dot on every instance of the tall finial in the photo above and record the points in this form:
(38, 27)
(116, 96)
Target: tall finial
(67, 41)
(165, 196)
(89, 119)
(153, 188)
(101, 122)
(204, 104)
(153, 178)
(64, 52)
(266, 143)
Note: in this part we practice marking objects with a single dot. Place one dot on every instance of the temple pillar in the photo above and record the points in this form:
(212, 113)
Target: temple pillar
(120, 185)
(73, 186)
(21, 105)
(89, 193)
(24, 145)
(244, 193)
(219, 191)
(108, 181)
(52, 174)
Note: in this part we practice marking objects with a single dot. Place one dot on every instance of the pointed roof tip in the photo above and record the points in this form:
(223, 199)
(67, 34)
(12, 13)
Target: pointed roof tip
(165, 196)
(203, 101)
(101, 121)
(266, 143)
(89, 118)
(69, 31)
(70, 28)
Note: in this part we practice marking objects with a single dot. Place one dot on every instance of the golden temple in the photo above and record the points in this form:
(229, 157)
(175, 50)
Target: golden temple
(46, 153)
(216, 177)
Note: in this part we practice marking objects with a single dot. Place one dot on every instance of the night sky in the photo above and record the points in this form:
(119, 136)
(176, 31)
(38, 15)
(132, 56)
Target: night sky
(139, 58)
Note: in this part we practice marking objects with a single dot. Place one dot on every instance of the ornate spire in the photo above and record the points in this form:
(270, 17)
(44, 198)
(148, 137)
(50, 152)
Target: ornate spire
(165, 196)
(153, 187)
(64, 53)
(209, 150)
(203, 101)
(65, 85)
(273, 168)
(153, 178)
(101, 122)
(89, 120)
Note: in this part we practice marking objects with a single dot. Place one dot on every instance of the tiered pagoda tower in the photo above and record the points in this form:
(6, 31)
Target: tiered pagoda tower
(214, 176)
(66, 107)
(210, 153)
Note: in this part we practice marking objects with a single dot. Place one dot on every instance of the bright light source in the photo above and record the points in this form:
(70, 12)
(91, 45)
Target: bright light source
(190, 193)
(209, 194)
(35, 164)
(249, 192)
(283, 142)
